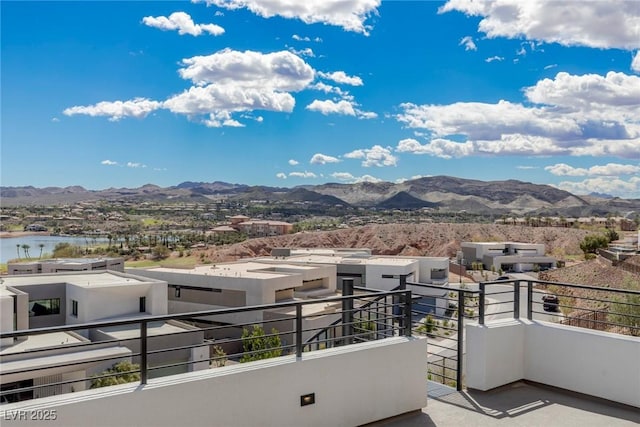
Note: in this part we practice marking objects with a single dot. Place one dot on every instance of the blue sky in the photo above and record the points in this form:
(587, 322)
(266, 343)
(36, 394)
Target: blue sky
(280, 93)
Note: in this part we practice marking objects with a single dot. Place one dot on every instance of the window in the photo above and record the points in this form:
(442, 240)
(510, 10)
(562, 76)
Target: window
(177, 292)
(44, 307)
(143, 304)
(389, 276)
(74, 308)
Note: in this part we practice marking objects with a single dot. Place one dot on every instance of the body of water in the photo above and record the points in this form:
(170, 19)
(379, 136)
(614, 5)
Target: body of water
(9, 251)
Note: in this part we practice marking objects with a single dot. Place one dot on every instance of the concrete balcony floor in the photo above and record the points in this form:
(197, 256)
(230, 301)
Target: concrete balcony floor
(518, 404)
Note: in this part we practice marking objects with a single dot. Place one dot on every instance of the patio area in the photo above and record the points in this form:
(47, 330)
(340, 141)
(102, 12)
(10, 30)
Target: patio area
(517, 404)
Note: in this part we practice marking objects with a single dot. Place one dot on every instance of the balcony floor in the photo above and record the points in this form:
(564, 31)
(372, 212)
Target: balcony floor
(518, 404)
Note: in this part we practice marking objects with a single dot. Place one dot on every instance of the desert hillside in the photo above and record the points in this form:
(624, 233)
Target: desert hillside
(411, 239)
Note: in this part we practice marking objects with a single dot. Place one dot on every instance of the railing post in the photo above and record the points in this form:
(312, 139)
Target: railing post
(298, 330)
(347, 311)
(460, 353)
(530, 300)
(143, 352)
(408, 321)
(481, 304)
(516, 299)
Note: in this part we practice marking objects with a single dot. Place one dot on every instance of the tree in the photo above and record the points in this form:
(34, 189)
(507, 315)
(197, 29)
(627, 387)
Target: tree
(123, 372)
(25, 249)
(593, 242)
(611, 235)
(41, 246)
(160, 252)
(257, 345)
(66, 250)
(18, 249)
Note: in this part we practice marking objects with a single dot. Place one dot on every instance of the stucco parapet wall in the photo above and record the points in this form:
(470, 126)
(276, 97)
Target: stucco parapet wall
(351, 386)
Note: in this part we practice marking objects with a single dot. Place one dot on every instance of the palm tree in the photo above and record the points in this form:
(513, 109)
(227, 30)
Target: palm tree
(25, 249)
(41, 245)
(18, 249)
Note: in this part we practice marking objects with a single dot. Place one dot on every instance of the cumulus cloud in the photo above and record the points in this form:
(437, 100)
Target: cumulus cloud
(610, 169)
(293, 162)
(347, 177)
(342, 78)
(281, 175)
(437, 147)
(300, 38)
(351, 15)
(342, 107)
(328, 89)
(308, 52)
(374, 156)
(283, 70)
(611, 24)
(468, 43)
(322, 159)
(304, 174)
(116, 110)
(571, 115)
(494, 58)
(606, 185)
(595, 24)
(230, 81)
(182, 22)
(108, 162)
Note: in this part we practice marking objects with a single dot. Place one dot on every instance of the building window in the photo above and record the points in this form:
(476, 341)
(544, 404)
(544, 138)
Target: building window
(143, 304)
(177, 294)
(44, 307)
(389, 276)
(74, 308)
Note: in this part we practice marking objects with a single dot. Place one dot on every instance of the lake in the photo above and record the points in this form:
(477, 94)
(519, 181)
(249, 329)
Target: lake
(8, 245)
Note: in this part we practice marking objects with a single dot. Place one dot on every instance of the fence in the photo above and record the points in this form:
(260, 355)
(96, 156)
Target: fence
(155, 346)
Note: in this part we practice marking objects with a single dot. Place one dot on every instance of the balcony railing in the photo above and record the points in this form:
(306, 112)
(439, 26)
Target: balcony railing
(282, 330)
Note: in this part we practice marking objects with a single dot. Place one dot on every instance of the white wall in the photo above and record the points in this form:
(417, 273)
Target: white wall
(6, 317)
(374, 274)
(353, 385)
(592, 362)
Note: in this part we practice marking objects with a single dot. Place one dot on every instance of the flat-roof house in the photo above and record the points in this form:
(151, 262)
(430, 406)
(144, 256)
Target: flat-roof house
(58, 265)
(507, 256)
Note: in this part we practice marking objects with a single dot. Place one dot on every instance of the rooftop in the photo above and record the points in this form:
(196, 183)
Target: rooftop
(83, 279)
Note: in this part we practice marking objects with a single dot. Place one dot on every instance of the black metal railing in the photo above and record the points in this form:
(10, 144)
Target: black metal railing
(219, 337)
(439, 313)
(592, 307)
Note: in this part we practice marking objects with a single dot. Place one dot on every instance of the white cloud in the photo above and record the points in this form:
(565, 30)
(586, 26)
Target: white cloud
(281, 175)
(55, 120)
(308, 52)
(231, 81)
(629, 189)
(597, 24)
(523, 167)
(328, 89)
(347, 177)
(468, 43)
(342, 107)
(635, 64)
(135, 165)
(342, 78)
(304, 174)
(282, 71)
(494, 58)
(588, 115)
(610, 169)
(220, 119)
(300, 39)
(182, 22)
(548, 67)
(331, 107)
(293, 162)
(322, 159)
(351, 15)
(374, 156)
(437, 147)
(108, 163)
(116, 110)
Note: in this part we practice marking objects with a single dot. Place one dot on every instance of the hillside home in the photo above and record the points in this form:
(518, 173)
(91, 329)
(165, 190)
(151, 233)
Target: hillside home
(61, 265)
(507, 256)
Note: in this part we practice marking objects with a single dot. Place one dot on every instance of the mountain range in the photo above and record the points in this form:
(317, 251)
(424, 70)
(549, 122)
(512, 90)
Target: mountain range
(443, 193)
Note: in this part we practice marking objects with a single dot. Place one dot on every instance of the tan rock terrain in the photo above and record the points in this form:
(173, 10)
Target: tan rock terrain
(441, 239)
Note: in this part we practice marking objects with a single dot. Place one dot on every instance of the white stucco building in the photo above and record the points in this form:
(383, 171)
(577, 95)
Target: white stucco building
(507, 256)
